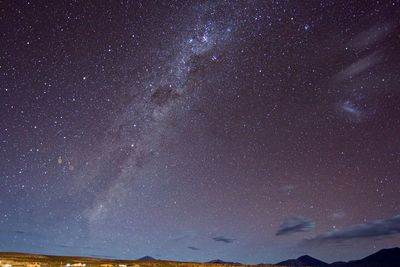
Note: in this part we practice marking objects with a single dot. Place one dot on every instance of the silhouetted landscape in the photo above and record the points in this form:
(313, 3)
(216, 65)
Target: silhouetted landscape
(382, 258)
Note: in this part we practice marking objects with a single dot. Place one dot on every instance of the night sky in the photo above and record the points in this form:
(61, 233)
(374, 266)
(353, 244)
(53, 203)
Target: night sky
(250, 131)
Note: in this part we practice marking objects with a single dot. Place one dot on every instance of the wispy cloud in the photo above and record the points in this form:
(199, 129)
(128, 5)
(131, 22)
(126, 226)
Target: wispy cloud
(359, 66)
(11, 231)
(370, 36)
(184, 236)
(295, 225)
(223, 239)
(373, 229)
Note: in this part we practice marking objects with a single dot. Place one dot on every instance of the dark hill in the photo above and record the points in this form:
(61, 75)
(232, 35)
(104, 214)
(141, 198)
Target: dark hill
(383, 258)
(146, 258)
(303, 261)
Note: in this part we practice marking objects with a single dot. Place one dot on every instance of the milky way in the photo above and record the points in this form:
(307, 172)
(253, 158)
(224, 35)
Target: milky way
(251, 131)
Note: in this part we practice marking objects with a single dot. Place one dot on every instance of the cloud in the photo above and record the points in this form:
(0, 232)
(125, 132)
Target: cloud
(373, 229)
(371, 36)
(223, 239)
(295, 224)
(193, 248)
(359, 66)
(184, 236)
(19, 232)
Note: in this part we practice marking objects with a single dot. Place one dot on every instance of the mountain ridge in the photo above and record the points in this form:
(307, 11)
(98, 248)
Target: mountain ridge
(388, 257)
(304, 260)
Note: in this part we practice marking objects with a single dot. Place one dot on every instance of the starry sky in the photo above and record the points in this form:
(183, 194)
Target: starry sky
(250, 131)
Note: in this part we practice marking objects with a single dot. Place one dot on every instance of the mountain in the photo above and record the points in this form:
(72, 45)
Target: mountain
(310, 261)
(146, 258)
(218, 261)
(383, 258)
(302, 261)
